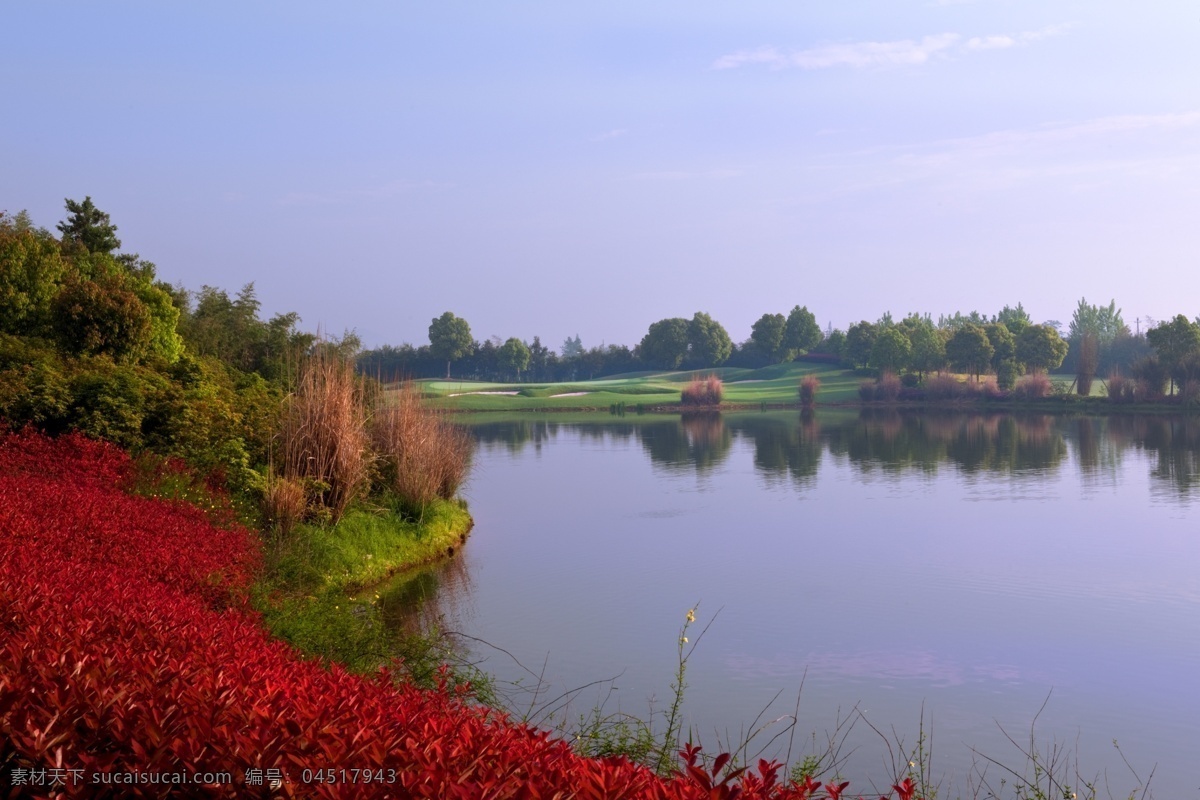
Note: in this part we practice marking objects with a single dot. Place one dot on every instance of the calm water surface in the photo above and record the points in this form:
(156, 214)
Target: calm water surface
(962, 567)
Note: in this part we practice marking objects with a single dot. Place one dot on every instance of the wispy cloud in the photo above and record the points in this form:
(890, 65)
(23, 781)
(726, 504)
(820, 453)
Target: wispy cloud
(852, 54)
(1001, 41)
(863, 55)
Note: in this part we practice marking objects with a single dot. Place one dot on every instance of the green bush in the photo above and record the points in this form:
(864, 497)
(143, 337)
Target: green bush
(1007, 373)
(109, 401)
(31, 273)
(102, 317)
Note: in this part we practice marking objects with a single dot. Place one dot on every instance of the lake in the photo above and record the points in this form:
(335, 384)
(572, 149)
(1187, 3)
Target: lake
(968, 576)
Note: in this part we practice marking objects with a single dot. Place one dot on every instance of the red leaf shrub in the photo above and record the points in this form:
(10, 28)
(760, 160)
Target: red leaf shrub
(126, 646)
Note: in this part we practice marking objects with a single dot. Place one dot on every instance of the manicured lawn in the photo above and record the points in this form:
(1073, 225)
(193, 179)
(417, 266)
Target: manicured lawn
(775, 384)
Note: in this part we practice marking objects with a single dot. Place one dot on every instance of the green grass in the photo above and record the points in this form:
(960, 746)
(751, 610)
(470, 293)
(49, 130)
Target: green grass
(1065, 381)
(307, 592)
(366, 547)
(775, 384)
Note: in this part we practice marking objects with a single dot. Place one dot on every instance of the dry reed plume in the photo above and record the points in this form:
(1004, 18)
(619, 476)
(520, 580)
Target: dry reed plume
(703, 392)
(284, 504)
(1034, 386)
(944, 387)
(1120, 388)
(422, 456)
(888, 387)
(809, 385)
(323, 440)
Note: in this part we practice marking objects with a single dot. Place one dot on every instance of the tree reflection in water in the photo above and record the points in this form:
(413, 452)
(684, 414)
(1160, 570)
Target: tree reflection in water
(789, 446)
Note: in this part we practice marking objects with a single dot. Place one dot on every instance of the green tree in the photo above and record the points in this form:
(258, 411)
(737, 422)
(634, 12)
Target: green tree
(31, 274)
(953, 323)
(891, 350)
(102, 317)
(1004, 344)
(969, 350)
(1103, 322)
(514, 355)
(928, 349)
(89, 227)
(665, 345)
(1015, 319)
(450, 339)
(709, 344)
(767, 335)
(539, 358)
(230, 330)
(860, 338)
(1040, 348)
(594, 359)
(572, 348)
(802, 333)
(1151, 375)
(1004, 353)
(1172, 342)
(165, 341)
(834, 342)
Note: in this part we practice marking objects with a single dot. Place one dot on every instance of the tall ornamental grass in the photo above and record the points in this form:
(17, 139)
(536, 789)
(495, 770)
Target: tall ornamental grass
(703, 392)
(1120, 388)
(323, 442)
(944, 387)
(284, 504)
(887, 388)
(422, 457)
(1035, 386)
(809, 385)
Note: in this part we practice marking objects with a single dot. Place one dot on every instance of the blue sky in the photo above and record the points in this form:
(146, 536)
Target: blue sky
(560, 168)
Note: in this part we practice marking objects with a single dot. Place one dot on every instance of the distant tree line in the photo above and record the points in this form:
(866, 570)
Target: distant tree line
(1097, 343)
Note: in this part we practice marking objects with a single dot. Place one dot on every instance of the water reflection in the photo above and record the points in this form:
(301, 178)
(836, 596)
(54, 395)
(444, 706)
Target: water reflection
(785, 447)
(420, 599)
(699, 440)
(898, 442)
(850, 549)
(790, 446)
(1175, 441)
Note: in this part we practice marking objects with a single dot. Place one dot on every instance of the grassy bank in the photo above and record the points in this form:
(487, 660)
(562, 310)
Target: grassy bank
(307, 593)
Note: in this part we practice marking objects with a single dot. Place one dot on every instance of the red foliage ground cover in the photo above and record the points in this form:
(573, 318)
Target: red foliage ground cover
(126, 646)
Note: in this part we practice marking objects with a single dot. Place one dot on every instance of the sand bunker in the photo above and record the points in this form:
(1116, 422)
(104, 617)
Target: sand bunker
(570, 394)
(460, 394)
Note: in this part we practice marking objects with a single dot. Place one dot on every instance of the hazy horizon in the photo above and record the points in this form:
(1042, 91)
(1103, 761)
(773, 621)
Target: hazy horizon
(590, 169)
